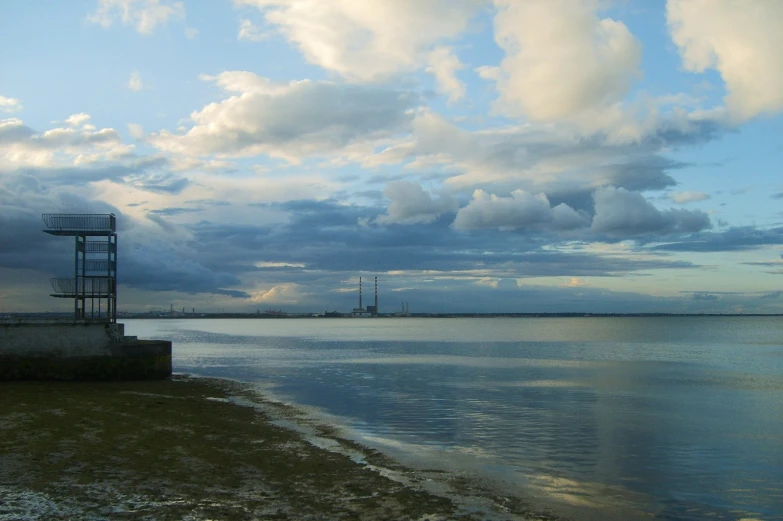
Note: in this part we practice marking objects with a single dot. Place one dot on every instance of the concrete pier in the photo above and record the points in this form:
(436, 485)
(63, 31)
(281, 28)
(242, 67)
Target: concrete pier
(78, 350)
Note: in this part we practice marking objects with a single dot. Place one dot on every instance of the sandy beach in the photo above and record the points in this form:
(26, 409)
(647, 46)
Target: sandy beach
(204, 449)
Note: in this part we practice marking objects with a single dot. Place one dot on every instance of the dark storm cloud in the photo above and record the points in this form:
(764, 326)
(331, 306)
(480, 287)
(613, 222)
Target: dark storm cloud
(621, 213)
(144, 262)
(157, 268)
(135, 169)
(325, 236)
(644, 173)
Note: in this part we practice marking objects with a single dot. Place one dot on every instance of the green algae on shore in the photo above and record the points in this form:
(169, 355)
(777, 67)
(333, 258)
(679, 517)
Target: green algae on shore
(179, 449)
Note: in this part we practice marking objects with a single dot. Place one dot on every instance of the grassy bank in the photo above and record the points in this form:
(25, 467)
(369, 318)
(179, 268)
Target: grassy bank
(182, 449)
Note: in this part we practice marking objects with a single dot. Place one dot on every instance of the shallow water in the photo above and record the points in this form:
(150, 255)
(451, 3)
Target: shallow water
(681, 417)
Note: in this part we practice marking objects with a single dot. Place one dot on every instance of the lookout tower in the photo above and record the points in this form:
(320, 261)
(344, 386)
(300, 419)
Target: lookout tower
(95, 263)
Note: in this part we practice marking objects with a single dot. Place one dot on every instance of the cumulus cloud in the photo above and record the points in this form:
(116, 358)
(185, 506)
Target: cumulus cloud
(622, 213)
(742, 41)
(143, 15)
(134, 83)
(444, 64)
(10, 104)
(688, 197)
(21, 146)
(77, 120)
(521, 210)
(410, 204)
(288, 120)
(534, 158)
(561, 59)
(367, 41)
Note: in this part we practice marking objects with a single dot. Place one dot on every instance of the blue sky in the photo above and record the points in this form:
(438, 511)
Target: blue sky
(474, 155)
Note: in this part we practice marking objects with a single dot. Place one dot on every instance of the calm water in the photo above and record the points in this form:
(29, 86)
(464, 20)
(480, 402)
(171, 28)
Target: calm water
(679, 417)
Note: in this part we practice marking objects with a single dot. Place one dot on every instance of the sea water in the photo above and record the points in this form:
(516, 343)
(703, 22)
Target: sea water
(679, 417)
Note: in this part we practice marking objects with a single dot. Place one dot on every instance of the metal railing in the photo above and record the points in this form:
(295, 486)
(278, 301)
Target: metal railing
(82, 286)
(80, 221)
(99, 265)
(96, 246)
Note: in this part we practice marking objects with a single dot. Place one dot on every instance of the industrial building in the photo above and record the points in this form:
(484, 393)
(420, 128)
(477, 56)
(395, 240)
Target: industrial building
(370, 311)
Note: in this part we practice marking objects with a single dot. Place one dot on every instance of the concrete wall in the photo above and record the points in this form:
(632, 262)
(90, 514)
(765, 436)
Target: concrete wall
(56, 350)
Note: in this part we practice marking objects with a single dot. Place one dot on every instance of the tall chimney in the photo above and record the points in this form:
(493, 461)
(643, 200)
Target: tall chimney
(360, 293)
(376, 295)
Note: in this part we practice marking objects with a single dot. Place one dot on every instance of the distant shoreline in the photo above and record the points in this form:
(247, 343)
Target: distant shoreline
(335, 314)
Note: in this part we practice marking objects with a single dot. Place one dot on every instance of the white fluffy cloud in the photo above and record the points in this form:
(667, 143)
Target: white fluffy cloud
(444, 64)
(561, 58)
(77, 120)
(143, 15)
(410, 204)
(367, 40)
(21, 146)
(742, 41)
(521, 210)
(621, 213)
(288, 120)
(9, 104)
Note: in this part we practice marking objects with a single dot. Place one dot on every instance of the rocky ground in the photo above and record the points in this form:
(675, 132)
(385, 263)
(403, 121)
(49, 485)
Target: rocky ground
(200, 449)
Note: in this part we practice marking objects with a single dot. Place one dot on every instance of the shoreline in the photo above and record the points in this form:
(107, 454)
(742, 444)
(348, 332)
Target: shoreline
(206, 448)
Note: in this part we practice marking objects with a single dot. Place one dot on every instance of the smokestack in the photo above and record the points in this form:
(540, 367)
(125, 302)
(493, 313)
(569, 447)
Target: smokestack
(376, 295)
(360, 293)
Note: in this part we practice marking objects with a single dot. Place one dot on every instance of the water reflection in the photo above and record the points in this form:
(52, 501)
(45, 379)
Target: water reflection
(681, 418)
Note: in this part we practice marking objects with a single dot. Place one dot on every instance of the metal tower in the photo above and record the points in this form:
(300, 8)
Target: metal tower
(95, 262)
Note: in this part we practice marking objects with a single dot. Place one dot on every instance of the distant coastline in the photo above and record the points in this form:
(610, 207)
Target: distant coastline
(336, 314)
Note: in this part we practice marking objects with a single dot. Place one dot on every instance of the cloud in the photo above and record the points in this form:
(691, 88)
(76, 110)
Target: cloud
(444, 64)
(250, 32)
(191, 33)
(136, 130)
(688, 197)
(702, 295)
(521, 210)
(737, 238)
(134, 83)
(21, 146)
(410, 204)
(143, 15)
(10, 104)
(367, 41)
(77, 120)
(289, 120)
(561, 59)
(333, 243)
(621, 213)
(536, 158)
(742, 41)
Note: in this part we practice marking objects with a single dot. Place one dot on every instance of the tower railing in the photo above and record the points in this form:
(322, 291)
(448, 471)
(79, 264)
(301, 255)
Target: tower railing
(95, 262)
(80, 222)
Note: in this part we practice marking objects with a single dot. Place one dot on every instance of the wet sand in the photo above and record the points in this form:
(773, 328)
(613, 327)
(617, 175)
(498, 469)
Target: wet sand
(202, 449)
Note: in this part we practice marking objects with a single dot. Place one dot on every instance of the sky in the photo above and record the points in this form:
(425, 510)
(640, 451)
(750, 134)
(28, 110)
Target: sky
(474, 155)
